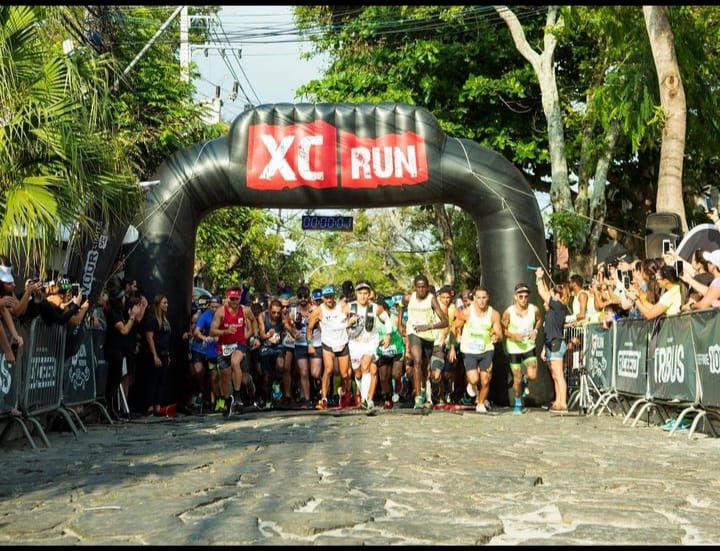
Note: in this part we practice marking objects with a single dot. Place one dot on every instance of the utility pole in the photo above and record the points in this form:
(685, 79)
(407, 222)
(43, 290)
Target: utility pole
(184, 44)
(147, 46)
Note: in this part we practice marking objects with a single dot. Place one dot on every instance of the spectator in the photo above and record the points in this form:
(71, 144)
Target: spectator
(670, 300)
(555, 300)
(711, 298)
(60, 306)
(695, 274)
(120, 345)
(157, 336)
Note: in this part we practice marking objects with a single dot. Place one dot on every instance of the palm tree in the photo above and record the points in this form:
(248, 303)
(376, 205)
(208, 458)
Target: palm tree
(60, 163)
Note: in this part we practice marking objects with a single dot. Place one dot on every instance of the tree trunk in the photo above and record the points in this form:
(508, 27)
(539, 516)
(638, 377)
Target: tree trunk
(446, 237)
(672, 98)
(542, 64)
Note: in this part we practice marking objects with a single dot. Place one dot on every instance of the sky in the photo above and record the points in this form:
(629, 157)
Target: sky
(268, 68)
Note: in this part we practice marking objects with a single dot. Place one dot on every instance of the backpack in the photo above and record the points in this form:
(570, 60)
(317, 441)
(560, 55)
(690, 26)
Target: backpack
(356, 328)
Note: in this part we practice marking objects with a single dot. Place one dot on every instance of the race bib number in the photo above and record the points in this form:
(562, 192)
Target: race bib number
(228, 349)
(390, 350)
(477, 347)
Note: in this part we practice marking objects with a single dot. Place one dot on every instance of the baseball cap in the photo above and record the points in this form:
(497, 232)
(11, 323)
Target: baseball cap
(6, 274)
(713, 257)
(328, 290)
(363, 284)
(216, 298)
(522, 288)
(316, 294)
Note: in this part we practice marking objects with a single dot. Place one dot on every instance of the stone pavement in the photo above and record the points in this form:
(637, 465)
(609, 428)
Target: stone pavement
(345, 478)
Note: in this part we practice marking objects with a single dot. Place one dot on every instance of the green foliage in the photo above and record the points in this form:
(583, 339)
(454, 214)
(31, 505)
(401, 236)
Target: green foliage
(61, 163)
(567, 228)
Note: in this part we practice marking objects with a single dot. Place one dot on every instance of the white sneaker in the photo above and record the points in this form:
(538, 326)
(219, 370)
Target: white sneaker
(480, 408)
(470, 390)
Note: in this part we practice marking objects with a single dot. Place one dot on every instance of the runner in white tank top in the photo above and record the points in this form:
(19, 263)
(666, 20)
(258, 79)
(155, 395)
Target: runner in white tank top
(364, 317)
(331, 317)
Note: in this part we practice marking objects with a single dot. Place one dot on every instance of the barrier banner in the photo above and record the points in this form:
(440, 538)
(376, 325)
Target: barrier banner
(705, 330)
(673, 374)
(98, 361)
(599, 355)
(630, 356)
(45, 349)
(79, 374)
(9, 384)
(10, 374)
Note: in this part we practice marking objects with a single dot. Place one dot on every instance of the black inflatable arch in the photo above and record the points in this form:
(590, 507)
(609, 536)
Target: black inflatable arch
(303, 156)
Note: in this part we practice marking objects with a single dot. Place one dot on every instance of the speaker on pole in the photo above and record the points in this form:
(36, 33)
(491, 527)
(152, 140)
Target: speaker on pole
(659, 227)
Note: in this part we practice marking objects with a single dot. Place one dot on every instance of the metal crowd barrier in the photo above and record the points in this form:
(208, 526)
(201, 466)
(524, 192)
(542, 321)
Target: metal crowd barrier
(657, 366)
(79, 375)
(43, 372)
(42, 381)
(11, 386)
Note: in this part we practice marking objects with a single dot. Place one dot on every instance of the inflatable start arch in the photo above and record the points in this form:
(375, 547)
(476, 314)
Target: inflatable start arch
(303, 156)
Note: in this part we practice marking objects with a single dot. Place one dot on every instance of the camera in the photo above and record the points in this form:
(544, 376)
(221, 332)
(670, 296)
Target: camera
(666, 247)
(626, 281)
(708, 204)
(75, 289)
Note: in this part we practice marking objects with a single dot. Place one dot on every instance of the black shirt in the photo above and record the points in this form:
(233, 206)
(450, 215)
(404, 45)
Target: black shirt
(50, 313)
(116, 340)
(161, 334)
(555, 321)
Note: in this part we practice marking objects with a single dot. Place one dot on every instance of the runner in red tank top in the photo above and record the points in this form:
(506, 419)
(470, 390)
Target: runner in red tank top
(231, 324)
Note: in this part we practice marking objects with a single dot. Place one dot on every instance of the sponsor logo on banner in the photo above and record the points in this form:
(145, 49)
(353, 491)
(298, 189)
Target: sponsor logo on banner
(306, 154)
(628, 363)
(598, 363)
(78, 372)
(710, 360)
(43, 370)
(669, 364)
(5, 375)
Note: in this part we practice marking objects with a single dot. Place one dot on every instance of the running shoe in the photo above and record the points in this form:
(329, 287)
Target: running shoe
(346, 399)
(228, 407)
(517, 410)
(670, 423)
(219, 405)
(419, 402)
(171, 411)
(467, 400)
(480, 408)
(388, 404)
(322, 404)
(395, 397)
